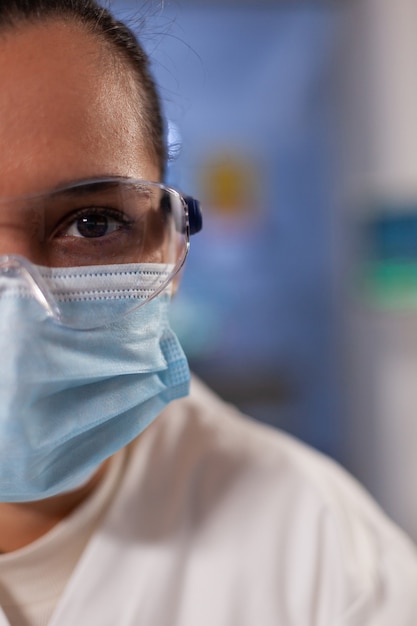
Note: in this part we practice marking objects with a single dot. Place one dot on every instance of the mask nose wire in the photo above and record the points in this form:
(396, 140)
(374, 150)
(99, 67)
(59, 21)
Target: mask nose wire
(14, 266)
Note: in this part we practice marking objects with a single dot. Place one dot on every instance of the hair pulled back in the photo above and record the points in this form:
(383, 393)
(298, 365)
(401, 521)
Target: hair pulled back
(121, 38)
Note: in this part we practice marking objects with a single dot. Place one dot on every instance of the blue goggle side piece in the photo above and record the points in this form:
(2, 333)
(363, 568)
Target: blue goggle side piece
(195, 215)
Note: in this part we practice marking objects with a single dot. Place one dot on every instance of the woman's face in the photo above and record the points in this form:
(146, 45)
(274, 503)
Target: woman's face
(67, 114)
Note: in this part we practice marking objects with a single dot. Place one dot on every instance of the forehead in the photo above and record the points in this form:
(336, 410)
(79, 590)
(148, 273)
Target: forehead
(68, 110)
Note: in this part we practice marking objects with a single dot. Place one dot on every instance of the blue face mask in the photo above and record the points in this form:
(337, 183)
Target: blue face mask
(69, 398)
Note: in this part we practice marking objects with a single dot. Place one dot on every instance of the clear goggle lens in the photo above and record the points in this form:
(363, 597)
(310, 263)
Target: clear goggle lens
(107, 236)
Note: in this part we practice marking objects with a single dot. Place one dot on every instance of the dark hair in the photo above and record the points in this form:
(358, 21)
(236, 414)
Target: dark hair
(123, 40)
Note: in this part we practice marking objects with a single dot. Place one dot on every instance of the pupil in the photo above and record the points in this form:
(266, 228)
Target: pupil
(92, 226)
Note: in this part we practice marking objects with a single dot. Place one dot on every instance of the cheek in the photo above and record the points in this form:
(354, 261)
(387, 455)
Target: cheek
(22, 235)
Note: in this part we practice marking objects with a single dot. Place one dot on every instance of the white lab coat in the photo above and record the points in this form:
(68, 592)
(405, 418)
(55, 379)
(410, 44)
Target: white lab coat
(222, 522)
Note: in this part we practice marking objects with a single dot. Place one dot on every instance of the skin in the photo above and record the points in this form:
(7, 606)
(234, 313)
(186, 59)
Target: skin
(66, 114)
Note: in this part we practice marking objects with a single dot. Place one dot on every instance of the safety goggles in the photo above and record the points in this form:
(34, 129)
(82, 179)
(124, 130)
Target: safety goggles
(100, 239)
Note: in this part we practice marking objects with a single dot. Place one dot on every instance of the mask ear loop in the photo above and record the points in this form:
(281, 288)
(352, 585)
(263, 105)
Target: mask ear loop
(15, 266)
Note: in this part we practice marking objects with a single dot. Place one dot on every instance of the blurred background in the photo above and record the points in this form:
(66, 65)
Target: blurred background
(295, 123)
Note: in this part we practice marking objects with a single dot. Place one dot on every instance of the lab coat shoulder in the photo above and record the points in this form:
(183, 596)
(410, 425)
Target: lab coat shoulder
(293, 515)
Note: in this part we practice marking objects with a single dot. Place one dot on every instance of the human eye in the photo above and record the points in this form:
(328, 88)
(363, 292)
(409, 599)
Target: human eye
(93, 222)
(96, 225)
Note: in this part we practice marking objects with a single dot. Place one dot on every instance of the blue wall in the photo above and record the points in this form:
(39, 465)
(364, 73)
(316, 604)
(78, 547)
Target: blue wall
(255, 310)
